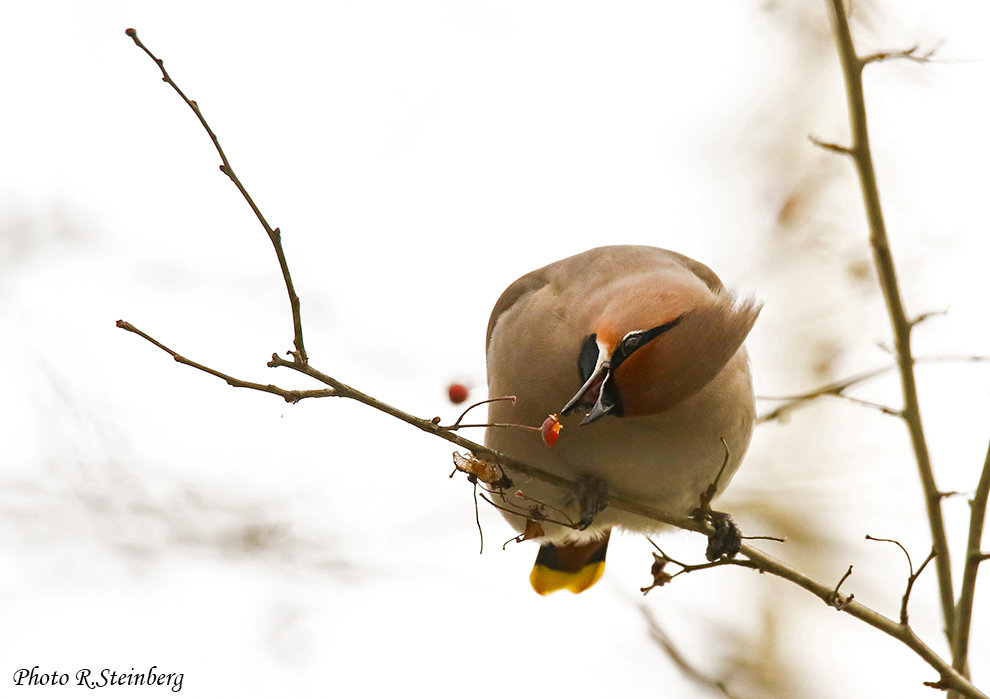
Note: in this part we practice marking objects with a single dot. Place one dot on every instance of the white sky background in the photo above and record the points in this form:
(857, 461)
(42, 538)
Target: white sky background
(419, 157)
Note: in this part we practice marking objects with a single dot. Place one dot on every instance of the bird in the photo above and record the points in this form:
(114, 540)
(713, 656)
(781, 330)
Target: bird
(640, 352)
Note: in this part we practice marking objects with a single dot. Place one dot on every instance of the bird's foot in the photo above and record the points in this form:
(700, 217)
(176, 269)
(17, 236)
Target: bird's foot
(726, 540)
(592, 498)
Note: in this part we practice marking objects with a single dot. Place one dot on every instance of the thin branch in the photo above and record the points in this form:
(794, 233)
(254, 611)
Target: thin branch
(660, 560)
(874, 406)
(921, 318)
(910, 585)
(852, 69)
(273, 234)
(532, 515)
(899, 545)
(502, 425)
(964, 609)
(913, 574)
(288, 395)
(836, 599)
(457, 422)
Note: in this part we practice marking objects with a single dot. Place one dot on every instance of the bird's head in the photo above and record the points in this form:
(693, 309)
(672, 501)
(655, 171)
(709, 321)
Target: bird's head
(653, 344)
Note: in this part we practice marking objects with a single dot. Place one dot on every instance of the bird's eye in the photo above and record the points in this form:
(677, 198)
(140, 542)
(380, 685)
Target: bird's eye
(630, 342)
(588, 359)
(637, 338)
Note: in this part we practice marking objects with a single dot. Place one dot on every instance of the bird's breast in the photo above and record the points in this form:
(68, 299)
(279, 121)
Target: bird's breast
(664, 460)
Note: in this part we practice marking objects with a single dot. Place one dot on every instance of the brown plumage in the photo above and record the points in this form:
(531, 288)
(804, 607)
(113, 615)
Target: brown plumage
(645, 345)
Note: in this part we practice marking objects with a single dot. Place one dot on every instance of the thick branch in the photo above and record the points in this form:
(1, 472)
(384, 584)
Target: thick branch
(859, 151)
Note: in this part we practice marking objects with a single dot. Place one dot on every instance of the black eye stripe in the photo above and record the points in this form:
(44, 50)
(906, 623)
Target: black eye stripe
(588, 358)
(634, 340)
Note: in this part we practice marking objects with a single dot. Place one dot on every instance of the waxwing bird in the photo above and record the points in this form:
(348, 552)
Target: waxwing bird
(640, 350)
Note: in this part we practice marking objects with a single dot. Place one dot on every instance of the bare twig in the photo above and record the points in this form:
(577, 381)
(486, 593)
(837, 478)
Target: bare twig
(499, 425)
(912, 573)
(273, 234)
(534, 514)
(859, 151)
(457, 422)
(922, 317)
(910, 584)
(874, 406)
(660, 560)
(477, 521)
(836, 599)
(912, 54)
(288, 395)
(833, 147)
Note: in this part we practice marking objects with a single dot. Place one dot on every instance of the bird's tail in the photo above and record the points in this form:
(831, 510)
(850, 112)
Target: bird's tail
(574, 567)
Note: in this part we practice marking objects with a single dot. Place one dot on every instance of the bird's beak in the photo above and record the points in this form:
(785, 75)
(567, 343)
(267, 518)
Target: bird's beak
(592, 395)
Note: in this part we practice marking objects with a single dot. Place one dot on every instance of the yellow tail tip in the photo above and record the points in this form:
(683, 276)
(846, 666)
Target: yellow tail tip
(545, 580)
(574, 567)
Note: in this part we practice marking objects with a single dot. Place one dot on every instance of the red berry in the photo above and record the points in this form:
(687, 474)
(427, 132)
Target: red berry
(550, 430)
(457, 392)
